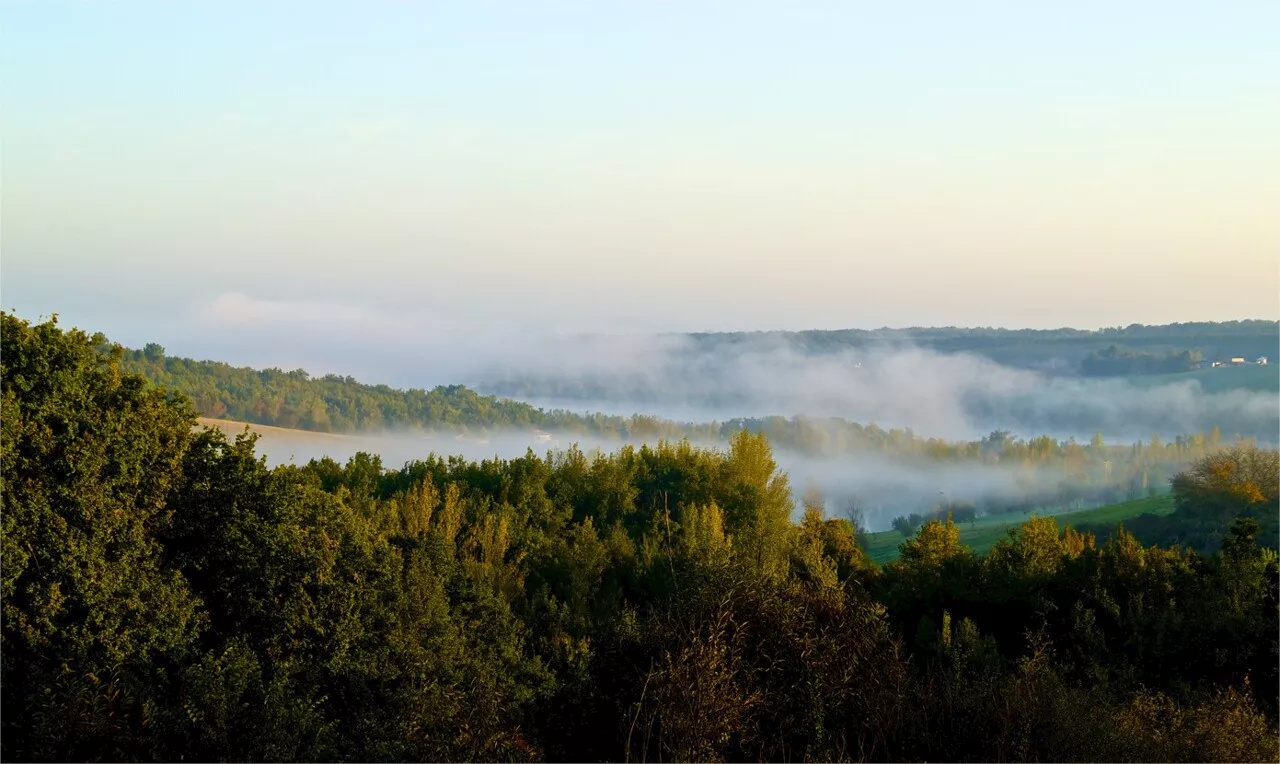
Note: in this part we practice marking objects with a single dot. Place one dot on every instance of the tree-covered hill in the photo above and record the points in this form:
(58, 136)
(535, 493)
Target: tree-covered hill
(326, 404)
(1028, 348)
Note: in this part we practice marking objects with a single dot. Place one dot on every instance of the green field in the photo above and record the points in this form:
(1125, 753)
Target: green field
(1249, 377)
(983, 533)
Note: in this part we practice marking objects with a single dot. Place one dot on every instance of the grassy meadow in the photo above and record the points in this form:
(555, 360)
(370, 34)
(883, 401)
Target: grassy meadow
(1249, 377)
(983, 533)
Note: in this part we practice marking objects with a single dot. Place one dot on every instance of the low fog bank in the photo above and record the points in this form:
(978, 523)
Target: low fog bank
(703, 377)
(881, 486)
(954, 396)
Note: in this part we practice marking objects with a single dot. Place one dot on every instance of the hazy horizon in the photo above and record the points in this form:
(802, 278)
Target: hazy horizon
(175, 172)
(330, 339)
(420, 195)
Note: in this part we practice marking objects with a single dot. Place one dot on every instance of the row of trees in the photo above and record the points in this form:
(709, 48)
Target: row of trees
(1116, 361)
(1209, 495)
(1171, 332)
(325, 404)
(167, 596)
(961, 512)
(1026, 348)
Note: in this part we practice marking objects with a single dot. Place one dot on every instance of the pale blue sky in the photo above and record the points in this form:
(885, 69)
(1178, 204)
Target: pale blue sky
(175, 171)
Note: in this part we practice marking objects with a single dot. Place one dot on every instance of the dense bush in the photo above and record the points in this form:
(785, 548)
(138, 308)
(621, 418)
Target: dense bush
(1209, 496)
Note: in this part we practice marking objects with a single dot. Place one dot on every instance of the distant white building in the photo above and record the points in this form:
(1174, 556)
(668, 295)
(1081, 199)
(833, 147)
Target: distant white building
(1237, 360)
(1262, 360)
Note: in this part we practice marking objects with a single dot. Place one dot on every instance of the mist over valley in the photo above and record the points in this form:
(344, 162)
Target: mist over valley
(960, 395)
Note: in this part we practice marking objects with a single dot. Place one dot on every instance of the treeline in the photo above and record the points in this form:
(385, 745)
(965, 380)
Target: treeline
(1208, 497)
(341, 404)
(1030, 348)
(1116, 361)
(1174, 331)
(167, 596)
(330, 403)
(907, 525)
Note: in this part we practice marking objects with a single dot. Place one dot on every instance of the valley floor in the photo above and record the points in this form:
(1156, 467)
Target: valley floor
(983, 533)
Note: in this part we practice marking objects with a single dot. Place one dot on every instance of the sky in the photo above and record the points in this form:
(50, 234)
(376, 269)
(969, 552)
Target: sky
(226, 178)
